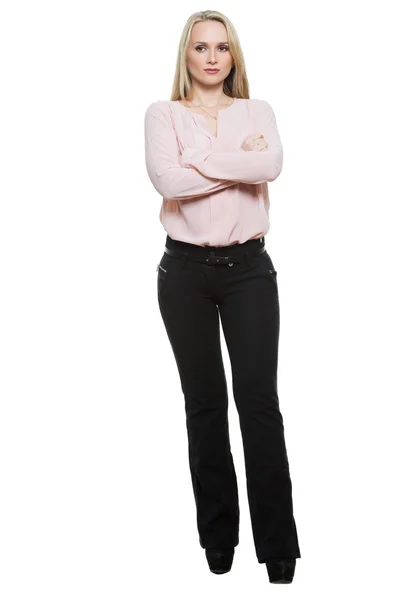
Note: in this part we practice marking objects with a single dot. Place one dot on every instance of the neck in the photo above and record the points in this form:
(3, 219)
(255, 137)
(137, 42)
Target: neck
(226, 101)
(209, 100)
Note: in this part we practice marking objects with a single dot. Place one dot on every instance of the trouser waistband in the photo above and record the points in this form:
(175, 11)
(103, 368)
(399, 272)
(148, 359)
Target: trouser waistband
(214, 255)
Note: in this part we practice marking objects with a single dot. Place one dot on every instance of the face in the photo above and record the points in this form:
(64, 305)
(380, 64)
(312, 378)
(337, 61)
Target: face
(209, 49)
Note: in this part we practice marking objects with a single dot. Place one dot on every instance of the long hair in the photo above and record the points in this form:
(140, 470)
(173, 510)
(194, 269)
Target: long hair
(236, 84)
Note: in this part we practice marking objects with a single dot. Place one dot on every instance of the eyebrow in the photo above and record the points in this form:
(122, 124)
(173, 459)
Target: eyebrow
(206, 43)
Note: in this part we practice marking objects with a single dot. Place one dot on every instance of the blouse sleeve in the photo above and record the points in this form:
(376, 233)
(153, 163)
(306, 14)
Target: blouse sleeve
(243, 166)
(167, 174)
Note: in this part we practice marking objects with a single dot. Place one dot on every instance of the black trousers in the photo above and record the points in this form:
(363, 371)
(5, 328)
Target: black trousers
(197, 286)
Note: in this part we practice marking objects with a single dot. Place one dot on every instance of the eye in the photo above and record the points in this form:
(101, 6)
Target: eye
(221, 47)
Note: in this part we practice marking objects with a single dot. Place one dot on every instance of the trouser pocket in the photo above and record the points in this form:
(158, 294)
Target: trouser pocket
(161, 277)
(269, 268)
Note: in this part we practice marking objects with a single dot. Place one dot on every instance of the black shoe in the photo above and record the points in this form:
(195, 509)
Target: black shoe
(281, 570)
(220, 559)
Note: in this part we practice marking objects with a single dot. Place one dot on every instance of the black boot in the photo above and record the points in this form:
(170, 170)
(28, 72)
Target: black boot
(220, 559)
(281, 570)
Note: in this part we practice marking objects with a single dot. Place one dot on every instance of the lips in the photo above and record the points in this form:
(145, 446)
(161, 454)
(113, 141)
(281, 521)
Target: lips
(211, 70)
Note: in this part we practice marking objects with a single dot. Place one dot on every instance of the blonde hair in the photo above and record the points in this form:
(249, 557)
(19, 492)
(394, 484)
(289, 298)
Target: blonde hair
(236, 84)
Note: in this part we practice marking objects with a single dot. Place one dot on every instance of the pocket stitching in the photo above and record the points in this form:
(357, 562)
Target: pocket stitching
(162, 276)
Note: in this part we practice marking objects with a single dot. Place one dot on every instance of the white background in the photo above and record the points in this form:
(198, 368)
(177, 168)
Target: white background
(96, 498)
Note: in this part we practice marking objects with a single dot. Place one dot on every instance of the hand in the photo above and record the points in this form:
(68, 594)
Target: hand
(255, 143)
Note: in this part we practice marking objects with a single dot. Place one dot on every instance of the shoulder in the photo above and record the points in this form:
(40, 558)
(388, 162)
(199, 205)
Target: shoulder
(254, 106)
(261, 109)
(259, 104)
(158, 107)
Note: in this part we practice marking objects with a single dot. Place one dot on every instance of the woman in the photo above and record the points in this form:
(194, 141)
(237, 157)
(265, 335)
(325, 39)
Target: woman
(210, 152)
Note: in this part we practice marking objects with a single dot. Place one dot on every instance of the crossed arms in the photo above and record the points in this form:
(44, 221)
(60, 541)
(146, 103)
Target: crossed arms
(200, 172)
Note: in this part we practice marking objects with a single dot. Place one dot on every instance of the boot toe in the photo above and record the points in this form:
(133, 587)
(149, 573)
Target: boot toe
(220, 559)
(281, 570)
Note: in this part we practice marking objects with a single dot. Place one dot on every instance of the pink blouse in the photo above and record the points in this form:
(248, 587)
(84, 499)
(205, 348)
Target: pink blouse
(214, 193)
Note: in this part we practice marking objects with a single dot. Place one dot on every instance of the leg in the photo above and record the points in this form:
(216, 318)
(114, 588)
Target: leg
(249, 311)
(192, 324)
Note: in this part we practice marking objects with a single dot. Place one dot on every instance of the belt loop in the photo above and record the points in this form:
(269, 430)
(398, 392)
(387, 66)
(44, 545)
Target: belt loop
(246, 258)
(184, 260)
